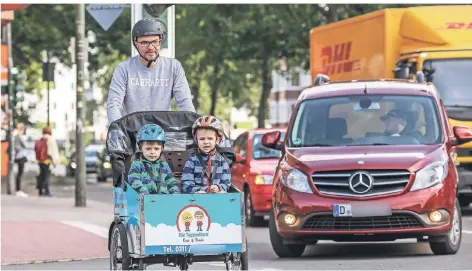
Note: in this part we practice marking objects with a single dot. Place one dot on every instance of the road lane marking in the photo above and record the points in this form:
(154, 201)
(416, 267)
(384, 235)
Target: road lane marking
(216, 264)
(224, 265)
(466, 232)
(97, 230)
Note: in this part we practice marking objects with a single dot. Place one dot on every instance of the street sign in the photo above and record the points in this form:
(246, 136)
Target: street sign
(106, 14)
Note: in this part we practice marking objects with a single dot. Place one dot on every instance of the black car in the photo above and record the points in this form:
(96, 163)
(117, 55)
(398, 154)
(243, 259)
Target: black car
(104, 170)
(91, 160)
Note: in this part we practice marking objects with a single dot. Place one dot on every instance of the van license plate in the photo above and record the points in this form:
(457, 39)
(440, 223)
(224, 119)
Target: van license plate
(342, 210)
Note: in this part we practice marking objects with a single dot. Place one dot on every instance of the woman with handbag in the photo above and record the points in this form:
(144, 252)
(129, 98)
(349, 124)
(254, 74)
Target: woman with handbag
(20, 157)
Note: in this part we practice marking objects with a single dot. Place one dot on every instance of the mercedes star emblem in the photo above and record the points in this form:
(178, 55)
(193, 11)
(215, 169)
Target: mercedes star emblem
(361, 182)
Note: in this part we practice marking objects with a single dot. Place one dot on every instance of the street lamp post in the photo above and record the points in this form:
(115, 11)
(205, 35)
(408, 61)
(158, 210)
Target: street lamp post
(80, 182)
(48, 76)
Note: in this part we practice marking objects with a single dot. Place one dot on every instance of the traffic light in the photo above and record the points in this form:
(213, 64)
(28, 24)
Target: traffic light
(155, 10)
(19, 88)
(158, 12)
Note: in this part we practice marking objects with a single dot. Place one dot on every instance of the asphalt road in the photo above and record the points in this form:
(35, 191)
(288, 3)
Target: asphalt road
(405, 254)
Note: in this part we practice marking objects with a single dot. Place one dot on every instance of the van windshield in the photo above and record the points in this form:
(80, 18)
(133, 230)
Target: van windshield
(366, 120)
(452, 79)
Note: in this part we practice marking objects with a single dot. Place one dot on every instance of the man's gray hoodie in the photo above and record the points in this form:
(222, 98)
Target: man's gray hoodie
(134, 87)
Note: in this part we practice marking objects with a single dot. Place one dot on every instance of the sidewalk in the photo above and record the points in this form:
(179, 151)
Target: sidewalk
(41, 229)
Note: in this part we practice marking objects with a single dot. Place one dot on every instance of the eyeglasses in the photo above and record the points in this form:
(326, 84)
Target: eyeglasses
(146, 43)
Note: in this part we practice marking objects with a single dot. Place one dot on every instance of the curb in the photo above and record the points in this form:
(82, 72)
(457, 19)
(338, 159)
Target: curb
(54, 261)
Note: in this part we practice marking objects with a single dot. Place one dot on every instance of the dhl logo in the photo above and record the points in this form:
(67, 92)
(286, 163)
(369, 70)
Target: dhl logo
(457, 25)
(335, 59)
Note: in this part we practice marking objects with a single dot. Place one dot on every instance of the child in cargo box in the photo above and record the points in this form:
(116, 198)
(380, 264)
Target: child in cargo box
(149, 174)
(206, 171)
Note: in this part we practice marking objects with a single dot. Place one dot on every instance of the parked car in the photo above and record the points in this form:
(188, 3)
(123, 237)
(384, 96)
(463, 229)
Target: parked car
(91, 160)
(91, 157)
(104, 170)
(345, 175)
(253, 173)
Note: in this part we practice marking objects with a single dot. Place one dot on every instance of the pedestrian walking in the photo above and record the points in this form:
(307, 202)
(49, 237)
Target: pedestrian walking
(47, 155)
(20, 156)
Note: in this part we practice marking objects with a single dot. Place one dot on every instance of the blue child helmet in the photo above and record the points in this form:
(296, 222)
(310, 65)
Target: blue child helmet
(151, 132)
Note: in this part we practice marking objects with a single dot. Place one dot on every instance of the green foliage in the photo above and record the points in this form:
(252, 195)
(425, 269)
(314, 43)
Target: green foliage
(50, 27)
(38, 28)
(88, 138)
(40, 125)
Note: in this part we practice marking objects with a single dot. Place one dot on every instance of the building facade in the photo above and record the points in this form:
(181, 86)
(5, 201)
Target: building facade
(287, 86)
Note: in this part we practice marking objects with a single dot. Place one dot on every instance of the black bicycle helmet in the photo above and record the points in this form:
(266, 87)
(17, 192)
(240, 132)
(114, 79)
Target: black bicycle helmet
(148, 27)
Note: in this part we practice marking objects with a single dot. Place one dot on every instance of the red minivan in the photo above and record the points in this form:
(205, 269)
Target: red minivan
(366, 161)
(252, 173)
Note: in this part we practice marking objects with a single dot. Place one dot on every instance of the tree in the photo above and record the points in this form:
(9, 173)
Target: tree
(261, 38)
(50, 27)
(34, 33)
(205, 47)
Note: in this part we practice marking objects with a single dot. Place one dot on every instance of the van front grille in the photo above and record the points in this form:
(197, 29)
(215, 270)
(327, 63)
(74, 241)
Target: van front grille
(340, 183)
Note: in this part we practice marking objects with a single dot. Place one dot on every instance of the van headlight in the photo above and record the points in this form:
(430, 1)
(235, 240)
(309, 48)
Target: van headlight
(296, 180)
(431, 175)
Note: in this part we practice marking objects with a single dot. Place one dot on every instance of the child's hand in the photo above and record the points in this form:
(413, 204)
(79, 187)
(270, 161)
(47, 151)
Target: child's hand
(214, 188)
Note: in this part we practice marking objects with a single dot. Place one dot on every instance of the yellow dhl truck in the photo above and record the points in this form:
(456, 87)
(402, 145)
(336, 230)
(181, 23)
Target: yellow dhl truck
(396, 43)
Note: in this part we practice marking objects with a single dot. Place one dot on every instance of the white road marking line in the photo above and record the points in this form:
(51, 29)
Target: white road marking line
(467, 232)
(98, 230)
(409, 240)
(216, 264)
(224, 265)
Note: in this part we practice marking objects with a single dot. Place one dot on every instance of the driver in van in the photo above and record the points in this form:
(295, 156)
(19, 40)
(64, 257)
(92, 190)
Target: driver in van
(206, 171)
(149, 174)
(395, 122)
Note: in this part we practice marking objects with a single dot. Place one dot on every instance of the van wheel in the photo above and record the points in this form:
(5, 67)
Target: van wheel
(283, 250)
(251, 219)
(449, 244)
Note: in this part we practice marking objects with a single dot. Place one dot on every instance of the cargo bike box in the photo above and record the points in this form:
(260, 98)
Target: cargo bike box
(178, 229)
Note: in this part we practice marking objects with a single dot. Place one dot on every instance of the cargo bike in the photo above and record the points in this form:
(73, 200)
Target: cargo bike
(174, 230)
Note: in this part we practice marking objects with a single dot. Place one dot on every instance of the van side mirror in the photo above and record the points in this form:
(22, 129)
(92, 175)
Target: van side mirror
(463, 135)
(402, 70)
(271, 140)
